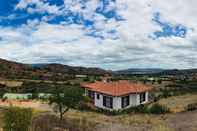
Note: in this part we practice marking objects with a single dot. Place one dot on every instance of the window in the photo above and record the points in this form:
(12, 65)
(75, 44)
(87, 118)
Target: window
(98, 96)
(125, 101)
(142, 97)
(91, 94)
(108, 101)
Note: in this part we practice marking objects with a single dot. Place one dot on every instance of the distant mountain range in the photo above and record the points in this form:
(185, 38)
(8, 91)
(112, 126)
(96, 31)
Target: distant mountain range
(159, 71)
(14, 70)
(140, 71)
(9, 69)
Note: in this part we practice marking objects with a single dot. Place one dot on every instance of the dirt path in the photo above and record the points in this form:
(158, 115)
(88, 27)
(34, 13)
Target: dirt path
(186, 121)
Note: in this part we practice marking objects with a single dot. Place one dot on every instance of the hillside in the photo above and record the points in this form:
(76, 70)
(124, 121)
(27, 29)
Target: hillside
(9, 69)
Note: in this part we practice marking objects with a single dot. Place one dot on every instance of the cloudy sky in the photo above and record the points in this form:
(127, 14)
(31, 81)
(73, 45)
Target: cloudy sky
(112, 34)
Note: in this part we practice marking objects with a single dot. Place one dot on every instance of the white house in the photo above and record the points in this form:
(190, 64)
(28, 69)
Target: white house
(117, 95)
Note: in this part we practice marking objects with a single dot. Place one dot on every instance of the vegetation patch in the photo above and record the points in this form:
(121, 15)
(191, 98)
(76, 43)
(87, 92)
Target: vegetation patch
(50, 122)
(17, 119)
(158, 109)
(191, 107)
(178, 103)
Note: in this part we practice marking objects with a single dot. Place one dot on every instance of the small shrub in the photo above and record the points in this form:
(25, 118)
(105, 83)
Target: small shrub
(191, 107)
(34, 96)
(86, 106)
(158, 109)
(110, 113)
(137, 109)
(17, 119)
(4, 99)
(86, 79)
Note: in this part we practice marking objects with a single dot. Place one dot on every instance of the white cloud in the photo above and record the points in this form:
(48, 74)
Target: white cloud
(40, 6)
(42, 42)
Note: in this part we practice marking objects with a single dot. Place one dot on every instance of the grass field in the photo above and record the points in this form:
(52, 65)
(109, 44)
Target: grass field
(138, 122)
(130, 122)
(178, 103)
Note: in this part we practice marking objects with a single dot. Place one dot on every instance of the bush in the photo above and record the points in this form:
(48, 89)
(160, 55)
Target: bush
(137, 109)
(110, 113)
(17, 119)
(158, 109)
(86, 106)
(191, 107)
(154, 109)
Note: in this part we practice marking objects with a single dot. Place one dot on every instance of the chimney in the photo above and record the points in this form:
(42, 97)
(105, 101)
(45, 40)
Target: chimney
(106, 79)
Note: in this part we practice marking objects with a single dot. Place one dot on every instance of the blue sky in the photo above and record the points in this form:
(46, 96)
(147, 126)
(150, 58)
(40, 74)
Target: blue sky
(112, 34)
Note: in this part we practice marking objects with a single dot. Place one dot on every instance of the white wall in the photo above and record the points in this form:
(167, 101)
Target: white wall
(98, 102)
(147, 94)
(117, 103)
(134, 98)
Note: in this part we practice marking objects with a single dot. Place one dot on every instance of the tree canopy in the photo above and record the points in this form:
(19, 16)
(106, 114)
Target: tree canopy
(62, 101)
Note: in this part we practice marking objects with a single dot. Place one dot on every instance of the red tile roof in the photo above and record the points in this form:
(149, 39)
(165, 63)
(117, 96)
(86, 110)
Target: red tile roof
(118, 88)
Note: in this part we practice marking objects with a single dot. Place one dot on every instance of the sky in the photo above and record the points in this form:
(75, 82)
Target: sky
(111, 34)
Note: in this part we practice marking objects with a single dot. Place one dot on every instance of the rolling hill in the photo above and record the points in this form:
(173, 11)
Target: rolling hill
(9, 69)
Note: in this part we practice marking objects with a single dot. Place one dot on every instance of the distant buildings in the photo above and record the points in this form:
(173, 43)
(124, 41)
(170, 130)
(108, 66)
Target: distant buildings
(81, 76)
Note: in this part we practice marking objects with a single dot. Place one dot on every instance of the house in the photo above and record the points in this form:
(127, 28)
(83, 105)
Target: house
(117, 95)
(81, 76)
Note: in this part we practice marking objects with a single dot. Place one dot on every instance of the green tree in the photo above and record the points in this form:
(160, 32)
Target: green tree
(158, 109)
(159, 81)
(17, 119)
(62, 101)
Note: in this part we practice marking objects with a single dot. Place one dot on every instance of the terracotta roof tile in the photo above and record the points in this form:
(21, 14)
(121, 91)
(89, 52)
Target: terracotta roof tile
(117, 88)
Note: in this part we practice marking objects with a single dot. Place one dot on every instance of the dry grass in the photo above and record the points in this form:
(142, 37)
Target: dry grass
(11, 83)
(1, 120)
(161, 128)
(38, 105)
(91, 119)
(91, 116)
(142, 121)
(178, 103)
(138, 121)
